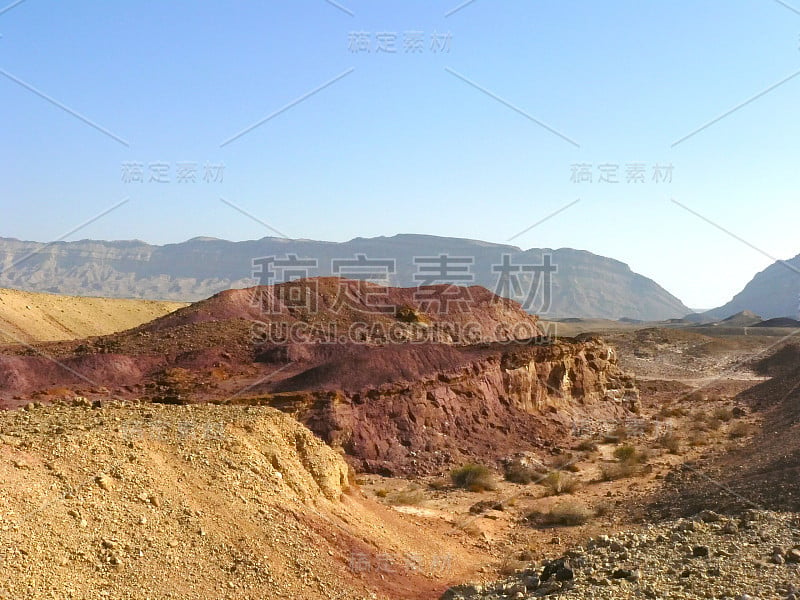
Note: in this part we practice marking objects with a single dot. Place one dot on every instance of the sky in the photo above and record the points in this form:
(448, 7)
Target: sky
(163, 121)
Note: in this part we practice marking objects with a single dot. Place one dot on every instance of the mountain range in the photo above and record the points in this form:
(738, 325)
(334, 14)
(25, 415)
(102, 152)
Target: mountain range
(772, 293)
(581, 283)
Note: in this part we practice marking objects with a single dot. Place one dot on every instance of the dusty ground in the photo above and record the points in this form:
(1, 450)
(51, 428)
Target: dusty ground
(200, 502)
(697, 404)
(34, 317)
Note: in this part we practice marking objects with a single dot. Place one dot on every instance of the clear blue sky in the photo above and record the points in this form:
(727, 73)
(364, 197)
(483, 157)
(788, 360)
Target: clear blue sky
(401, 144)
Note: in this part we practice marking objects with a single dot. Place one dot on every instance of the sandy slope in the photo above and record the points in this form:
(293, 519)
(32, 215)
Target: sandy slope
(134, 502)
(31, 317)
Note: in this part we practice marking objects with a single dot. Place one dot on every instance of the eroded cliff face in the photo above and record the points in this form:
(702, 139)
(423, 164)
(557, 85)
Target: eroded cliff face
(510, 399)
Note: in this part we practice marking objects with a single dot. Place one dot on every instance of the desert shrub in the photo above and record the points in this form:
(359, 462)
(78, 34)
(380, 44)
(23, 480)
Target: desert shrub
(472, 477)
(620, 432)
(629, 454)
(671, 442)
(468, 524)
(407, 497)
(625, 453)
(602, 509)
(619, 470)
(567, 514)
(723, 414)
(438, 484)
(704, 421)
(559, 482)
(698, 438)
(518, 473)
(511, 565)
(565, 462)
(630, 461)
(382, 493)
(672, 411)
(587, 446)
(740, 430)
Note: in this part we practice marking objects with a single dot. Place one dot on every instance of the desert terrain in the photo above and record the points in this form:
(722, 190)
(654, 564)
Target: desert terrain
(376, 446)
(27, 317)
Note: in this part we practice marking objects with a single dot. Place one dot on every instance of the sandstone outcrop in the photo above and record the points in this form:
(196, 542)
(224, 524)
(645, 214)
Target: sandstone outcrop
(484, 404)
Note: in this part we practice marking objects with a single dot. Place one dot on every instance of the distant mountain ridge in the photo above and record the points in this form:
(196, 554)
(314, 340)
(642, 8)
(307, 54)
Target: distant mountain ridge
(772, 293)
(584, 285)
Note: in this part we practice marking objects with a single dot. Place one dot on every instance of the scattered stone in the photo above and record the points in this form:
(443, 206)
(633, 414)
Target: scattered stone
(598, 571)
(622, 574)
(105, 482)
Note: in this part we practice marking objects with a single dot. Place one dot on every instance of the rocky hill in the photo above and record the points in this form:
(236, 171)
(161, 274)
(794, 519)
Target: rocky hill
(585, 284)
(772, 293)
(412, 389)
(420, 409)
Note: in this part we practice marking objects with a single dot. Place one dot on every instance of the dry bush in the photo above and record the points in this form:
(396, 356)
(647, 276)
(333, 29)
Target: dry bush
(438, 484)
(472, 477)
(698, 438)
(565, 462)
(558, 482)
(587, 446)
(704, 421)
(468, 524)
(382, 493)
(619, 434)
(566, 514)
(411, 496)
(620, 470)
(672, 411)
(511, 564)
(602, 509)
(671, 442)
(723, 414)
(518, 473)
(625, 453)
(741, 430)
